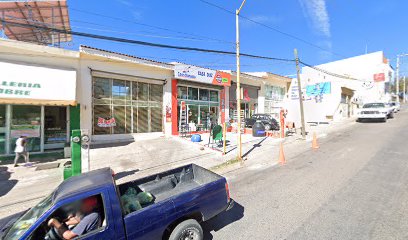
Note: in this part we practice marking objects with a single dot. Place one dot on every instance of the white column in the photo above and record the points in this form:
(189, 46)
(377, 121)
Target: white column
(167, 95)
(261, 99)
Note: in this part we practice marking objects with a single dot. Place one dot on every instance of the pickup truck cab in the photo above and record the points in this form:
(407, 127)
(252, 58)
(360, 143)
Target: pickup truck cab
(180, 199)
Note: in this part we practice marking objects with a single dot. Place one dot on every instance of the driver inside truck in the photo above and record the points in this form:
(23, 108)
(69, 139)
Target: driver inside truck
(87, 220)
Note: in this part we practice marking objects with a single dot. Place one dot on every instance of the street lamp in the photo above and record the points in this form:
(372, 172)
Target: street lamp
(397, 87)
(238, 90)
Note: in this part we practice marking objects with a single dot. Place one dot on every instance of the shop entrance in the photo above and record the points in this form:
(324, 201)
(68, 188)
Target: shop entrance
(55, 127)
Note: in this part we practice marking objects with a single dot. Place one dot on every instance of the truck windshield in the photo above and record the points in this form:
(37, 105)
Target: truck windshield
(374, 105)
(28, 219)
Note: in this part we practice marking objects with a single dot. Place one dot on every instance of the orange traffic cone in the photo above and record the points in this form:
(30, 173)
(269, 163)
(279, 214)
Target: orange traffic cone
(282, 160)
(315, 145)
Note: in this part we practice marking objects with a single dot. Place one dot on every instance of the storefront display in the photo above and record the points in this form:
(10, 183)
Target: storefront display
(202, 106)
(134, 107)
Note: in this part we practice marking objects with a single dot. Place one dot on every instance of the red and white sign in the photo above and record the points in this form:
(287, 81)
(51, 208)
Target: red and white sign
(102, 122)
(379, 77)
(204, 75)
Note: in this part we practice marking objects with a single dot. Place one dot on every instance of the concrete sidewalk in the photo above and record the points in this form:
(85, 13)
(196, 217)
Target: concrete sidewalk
(22, 187)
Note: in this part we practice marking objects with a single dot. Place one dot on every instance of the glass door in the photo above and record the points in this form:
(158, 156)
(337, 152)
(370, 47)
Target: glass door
(26, 121)
(55, 127)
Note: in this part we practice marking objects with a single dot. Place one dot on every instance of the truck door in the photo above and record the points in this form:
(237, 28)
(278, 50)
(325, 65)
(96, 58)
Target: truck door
(149, 222)
(102, 228)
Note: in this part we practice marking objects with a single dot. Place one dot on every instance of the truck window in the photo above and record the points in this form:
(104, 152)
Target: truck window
(28, 219)
(81, 217)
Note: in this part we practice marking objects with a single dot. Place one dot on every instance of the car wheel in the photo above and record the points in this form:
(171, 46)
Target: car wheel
(267, 127)
(189, 229)
(392, 115)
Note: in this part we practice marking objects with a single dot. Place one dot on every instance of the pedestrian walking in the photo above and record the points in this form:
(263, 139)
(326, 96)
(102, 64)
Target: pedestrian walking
(21, 150)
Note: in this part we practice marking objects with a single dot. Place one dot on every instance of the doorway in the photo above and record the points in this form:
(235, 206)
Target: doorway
(55, 127)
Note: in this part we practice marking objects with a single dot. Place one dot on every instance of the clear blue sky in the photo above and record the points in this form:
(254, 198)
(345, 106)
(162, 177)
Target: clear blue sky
(343, 27)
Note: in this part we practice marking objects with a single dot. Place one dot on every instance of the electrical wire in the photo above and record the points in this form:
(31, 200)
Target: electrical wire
(148, 25)
(137, 42)
(271, 28)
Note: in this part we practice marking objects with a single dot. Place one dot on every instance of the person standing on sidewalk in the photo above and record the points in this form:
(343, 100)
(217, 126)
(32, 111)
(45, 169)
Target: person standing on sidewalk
(21, 150)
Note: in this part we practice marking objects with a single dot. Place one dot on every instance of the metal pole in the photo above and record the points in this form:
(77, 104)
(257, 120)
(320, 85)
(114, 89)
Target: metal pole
(239, 140)
(397, 81)
(302, 114)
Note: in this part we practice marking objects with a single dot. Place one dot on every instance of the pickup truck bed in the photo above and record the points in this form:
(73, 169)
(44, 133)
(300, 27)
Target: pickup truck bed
(171, 183)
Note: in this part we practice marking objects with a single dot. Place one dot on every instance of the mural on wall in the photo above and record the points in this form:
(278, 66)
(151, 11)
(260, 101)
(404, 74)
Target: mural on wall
(318, 90)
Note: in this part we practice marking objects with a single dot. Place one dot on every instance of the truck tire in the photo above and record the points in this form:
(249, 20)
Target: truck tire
(188, 229)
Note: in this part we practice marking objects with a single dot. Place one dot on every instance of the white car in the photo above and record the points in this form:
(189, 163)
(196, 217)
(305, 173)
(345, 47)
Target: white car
(396, 105)
(376, 111)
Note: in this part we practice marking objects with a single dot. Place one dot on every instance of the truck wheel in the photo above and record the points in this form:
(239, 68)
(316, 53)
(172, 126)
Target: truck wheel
(189, 229)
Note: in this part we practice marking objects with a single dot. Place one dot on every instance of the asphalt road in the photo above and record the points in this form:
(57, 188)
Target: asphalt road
(354, 187)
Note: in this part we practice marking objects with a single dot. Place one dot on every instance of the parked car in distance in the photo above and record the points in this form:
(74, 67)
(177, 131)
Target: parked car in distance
(396, 105)
(168, 205)
(376, 111)
(268, 121)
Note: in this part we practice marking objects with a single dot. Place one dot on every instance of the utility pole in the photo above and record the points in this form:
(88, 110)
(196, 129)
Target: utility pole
(397, 82)
(238, 92)
(405, 90)
(302, 113)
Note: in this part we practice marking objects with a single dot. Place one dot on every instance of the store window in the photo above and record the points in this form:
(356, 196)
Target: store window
(26, 121)
(192, 93)
(129, 107)
(202, 107)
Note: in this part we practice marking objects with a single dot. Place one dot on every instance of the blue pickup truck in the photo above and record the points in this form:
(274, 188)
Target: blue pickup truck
(168, 205)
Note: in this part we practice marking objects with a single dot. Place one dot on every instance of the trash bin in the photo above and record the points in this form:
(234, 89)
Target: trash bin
(258, 129)
(196, 138)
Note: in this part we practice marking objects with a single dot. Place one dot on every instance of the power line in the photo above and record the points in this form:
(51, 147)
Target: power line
(330, 73)
(137, 42)
(148, 25)
(271, 28)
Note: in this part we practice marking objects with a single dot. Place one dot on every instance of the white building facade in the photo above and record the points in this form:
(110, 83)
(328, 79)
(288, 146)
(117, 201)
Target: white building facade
(330, 97)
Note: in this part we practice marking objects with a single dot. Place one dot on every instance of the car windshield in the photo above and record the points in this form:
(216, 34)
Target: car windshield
(374, 105)
(28, 219)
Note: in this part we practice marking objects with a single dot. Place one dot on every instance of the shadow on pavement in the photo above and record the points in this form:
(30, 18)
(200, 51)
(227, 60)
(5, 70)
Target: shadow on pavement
(5, 183)
(125, 174)
(223, 219)
(110, 144)
(254, 146)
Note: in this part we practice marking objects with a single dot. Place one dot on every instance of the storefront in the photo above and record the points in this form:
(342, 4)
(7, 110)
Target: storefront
(249, 101)
(36, 102)
(126, 104)
(198, 98)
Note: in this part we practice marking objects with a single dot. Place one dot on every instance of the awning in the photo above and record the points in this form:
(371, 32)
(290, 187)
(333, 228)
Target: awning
(26, 84)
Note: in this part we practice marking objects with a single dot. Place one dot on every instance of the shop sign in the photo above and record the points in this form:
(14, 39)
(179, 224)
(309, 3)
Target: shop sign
(104, 123)
(203, 75)
(379, 77)
(40, 83)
